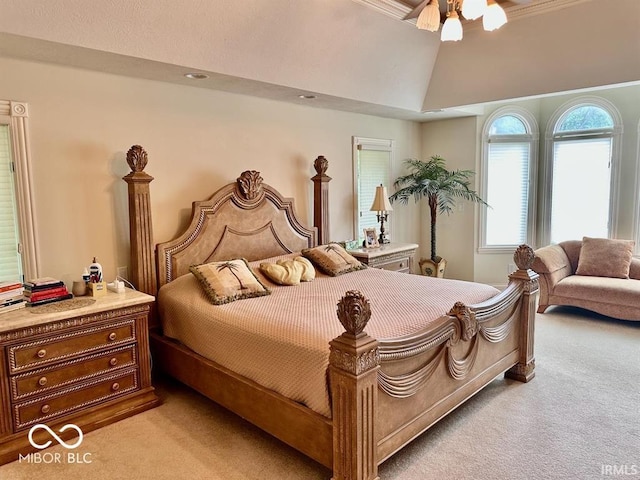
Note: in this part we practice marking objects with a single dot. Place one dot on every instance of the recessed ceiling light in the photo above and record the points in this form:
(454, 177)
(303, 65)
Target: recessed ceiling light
(437, 110)
(307, 97)
(196, 76)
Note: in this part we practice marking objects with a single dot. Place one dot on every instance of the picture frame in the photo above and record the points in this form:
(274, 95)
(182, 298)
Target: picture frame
(371, 238)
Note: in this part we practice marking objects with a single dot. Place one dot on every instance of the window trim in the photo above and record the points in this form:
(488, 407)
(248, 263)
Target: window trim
(616, 148)
(16, 115)
(533, 138)
(364, 143)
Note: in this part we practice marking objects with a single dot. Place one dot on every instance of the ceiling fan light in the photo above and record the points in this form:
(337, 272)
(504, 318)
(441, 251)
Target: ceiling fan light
(472, 9)
(494, 17)
(429, 18)
(452, 28)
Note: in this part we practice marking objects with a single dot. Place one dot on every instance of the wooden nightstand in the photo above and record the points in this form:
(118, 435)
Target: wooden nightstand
(89, 367)
(397, 257)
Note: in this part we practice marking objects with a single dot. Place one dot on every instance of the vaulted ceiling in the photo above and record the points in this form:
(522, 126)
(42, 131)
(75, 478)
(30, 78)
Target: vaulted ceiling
(354, 55)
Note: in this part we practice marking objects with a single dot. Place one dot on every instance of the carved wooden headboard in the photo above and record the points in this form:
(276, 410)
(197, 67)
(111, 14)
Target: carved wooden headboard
(247, 218)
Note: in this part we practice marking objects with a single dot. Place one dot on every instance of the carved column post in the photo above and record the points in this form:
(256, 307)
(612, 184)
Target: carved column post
(321, 199)
(353, 369)
(143, 270)
(523, 371)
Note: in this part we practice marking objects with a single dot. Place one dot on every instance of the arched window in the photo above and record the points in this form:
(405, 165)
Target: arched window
(508, 172)
(581, 181)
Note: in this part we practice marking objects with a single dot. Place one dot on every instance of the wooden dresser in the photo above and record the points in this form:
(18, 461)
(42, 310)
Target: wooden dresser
(89, 367)
(397, 257)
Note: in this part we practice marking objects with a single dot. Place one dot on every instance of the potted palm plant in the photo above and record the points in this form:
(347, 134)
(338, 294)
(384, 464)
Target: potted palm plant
(431, 180)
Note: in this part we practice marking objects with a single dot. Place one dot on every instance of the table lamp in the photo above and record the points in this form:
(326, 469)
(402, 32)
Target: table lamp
(382, 206)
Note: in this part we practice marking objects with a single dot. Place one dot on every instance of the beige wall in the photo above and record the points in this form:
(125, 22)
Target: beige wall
(459, 141)
(82, 123)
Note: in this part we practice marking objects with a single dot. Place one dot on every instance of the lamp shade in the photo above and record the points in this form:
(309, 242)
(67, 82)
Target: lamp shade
(452, 28)
(381, 201)
(472, 9)
(494, 17)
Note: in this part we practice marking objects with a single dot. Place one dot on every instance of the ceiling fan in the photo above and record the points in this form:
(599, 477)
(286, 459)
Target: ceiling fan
(431, 13)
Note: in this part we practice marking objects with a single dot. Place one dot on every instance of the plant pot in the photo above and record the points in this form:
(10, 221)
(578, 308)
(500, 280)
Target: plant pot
(432, 268)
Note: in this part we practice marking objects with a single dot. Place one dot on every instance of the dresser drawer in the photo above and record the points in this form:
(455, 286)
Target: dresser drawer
(46, 379)
(74, 398)
(66, 346)
(398, 265)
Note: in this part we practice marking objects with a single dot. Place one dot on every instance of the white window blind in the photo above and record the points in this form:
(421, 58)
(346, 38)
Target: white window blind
(507, 193)
(509, 167)
(10, 261)
(581, 188)
(373, 170)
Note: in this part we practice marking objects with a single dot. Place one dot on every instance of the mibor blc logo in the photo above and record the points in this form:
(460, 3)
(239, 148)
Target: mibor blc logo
(56, 457)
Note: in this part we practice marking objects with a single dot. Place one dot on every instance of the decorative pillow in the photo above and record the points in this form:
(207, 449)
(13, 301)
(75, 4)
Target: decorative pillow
(332, 259)
(604, 257)
(225, 282)
(285, 272)
(289, 272)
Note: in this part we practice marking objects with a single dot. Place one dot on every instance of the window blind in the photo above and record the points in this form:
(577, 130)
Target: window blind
(581, 189)
(373, 170)
(10, 261)
(507, 193)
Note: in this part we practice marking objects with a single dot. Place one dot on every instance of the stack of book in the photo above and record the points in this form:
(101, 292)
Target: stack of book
(11, 296)
(45, 290)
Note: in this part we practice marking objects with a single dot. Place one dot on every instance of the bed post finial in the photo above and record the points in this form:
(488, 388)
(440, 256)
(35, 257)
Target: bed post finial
(354, 362)
(143, 269)
(321, 199)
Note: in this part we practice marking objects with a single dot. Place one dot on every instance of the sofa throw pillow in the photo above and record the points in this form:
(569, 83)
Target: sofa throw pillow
(289, 272)
(332, 259)
(604, 257)
(227, 281)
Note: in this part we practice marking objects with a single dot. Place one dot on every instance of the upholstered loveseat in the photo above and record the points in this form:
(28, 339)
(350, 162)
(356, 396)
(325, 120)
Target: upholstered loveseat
(599, 276)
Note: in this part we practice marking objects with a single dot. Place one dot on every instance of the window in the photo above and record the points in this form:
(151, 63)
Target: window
(18, 246)
(10, 258)
(508, 172)
(371, 167)
(583, 142)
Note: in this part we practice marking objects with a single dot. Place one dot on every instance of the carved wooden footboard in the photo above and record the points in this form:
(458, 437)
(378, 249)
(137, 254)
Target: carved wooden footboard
(384, 393)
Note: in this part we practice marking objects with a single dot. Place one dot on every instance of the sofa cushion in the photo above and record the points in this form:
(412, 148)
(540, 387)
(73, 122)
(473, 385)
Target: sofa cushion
(604, 257)
(613, 291)
(549, 259)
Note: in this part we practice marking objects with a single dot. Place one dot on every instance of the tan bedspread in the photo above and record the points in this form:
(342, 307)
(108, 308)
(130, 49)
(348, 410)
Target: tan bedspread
(281, 341)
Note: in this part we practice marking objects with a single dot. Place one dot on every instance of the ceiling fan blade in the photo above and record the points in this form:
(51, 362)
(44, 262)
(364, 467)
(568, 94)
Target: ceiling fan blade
(416, 11)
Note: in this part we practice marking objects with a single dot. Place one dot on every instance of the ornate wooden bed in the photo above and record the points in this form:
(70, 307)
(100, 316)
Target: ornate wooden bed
(375, 411)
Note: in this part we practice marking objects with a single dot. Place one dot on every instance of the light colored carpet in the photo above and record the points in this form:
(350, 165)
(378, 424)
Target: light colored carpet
(578, 419)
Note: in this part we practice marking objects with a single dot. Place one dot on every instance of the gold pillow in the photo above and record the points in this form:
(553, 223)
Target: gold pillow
(289, 272)
(225, 282)
(332, 259)
(604, 257)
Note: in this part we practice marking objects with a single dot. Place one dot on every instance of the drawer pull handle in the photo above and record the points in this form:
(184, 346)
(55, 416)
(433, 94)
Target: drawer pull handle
(112, 336)
(113, 362)
(41, 353)
(115, 387)
(42, 381)
(45, 409)
(401, 264)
